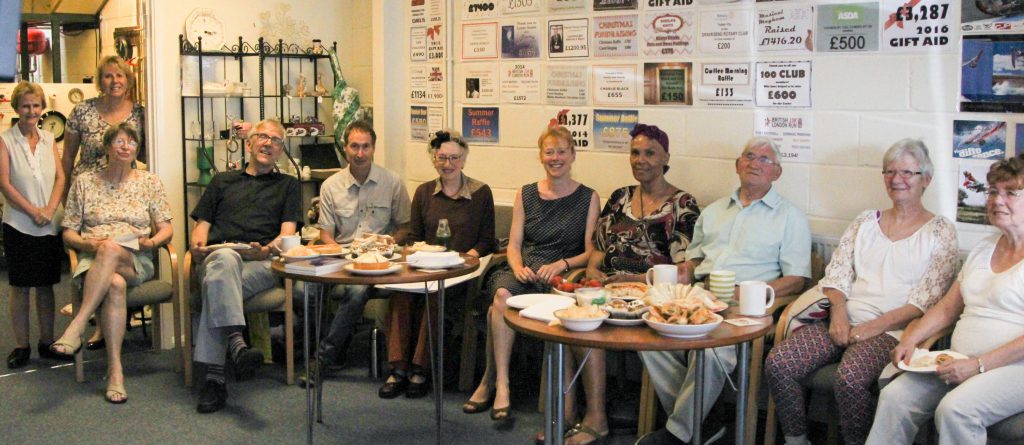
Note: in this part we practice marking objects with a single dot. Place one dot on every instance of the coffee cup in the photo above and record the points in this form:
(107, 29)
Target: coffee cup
(290, 241)
(722, 283)
(754, 298)
(662, 274)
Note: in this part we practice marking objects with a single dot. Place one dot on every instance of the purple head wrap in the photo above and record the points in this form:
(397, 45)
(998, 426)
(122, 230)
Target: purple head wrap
(652, 132)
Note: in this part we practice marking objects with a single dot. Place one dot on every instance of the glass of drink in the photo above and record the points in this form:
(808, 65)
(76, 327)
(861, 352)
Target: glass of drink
(444, 234)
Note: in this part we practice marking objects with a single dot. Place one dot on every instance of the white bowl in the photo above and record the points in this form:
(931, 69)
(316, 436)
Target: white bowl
(562, 293)
(683, 330)
(581, 324)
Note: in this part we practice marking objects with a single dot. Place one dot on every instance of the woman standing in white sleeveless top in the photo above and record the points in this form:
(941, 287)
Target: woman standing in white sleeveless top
(32, 186)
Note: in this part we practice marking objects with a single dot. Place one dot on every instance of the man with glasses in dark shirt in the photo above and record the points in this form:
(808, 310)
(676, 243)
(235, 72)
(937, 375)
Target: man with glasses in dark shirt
(254, 206)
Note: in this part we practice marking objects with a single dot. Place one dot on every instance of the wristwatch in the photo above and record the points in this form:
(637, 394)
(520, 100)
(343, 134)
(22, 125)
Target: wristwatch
(981, 366)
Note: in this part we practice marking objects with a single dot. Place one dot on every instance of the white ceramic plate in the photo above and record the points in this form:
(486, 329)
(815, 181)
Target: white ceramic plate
(625, 321)
(350, 267)
(526, 300)
(919, 353)
(683, 330)
(428, 265)
(233, 246)
(299, 257)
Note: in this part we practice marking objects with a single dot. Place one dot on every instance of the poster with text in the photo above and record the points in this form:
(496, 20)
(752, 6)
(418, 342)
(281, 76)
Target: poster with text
(566, 84)
(480, 41)
(667, 5)
(435, 119)
(520, 6)
(520, 82)
(480, 124)
(615, 84)
(668, 83)
(577, 121)
(435, 43)
(793, 132)
(927, 25)
(785, 29)
(612, 127)
(723, 32)
(435, 12)
(848, 27)
(417, 12)
(567, 5)
(724, 2)
(726, 85)
(972, 185)
(427, 83)
(611, 5)
(990, 16)
(979, 139)
(568, 38)
(668, 33)
(479, 82)
(615, 36)
(418, 44)
(520, 39)
(418, 123)
(992, 73)
(479, 9)
(782, 84)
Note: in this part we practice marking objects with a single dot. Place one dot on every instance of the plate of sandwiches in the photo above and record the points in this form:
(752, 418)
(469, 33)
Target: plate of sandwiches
(330, 249)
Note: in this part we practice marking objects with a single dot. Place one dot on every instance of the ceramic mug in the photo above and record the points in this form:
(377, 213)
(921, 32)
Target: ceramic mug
(290, 241)
(662, 273)
(754, 299)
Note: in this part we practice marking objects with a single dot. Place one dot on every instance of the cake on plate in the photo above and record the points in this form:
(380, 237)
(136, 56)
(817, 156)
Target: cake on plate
(371, 261)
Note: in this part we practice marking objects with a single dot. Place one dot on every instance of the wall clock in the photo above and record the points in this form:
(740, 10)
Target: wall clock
(202, 22)
(75, 95)
(54, 122)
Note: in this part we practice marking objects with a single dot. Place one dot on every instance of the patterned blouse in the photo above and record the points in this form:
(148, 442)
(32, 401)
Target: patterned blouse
(634, 245)
(98, 209)
(86, 121)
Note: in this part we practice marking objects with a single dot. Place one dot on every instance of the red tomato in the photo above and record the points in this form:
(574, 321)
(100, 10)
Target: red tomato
(564, 286)
(593, 283)
(557, 280)
(576, 286)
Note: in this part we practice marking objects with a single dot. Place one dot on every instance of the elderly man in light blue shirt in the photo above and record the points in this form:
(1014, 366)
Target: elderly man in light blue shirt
(756, 233)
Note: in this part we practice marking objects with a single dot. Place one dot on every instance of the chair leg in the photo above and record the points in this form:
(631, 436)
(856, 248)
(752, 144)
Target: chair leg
(648, 407)
(467, 360)
(755, 382)
(289, 334)
(156, 339)
(769, 423)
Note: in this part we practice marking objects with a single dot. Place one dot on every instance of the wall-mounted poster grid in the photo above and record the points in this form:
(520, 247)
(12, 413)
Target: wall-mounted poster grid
(480, 41)
(612, 127)
(725, 32)
(991, 16)
(668, 83)
(566, 5)
(611, 5)
(480, 124)
(847, 27)
(783, 84)
(477, 83)
(566, 84)
(917, 25)
(520, 82)
(792, 131)
(725, 85)
(427, 83)
(785, 29)
(992, 73)
(972, 184)
(479, 9)
(425, 121)
(668, 33)
(520, 39)
(615, 84)
(615, 36)
(568, 38)
(979, 139)
(578, 122)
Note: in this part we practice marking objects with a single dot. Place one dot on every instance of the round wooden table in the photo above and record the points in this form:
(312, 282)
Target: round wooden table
(638, 338)
(404, 275)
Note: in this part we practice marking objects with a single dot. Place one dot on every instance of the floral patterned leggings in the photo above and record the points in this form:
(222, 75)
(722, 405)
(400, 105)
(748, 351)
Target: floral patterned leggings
(810, 348)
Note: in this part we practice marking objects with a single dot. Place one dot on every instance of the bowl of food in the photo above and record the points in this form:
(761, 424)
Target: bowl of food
(566, 288)
(591, 296)
(371, 261)
(678, 320)
(625, 309)
(627, 290)
(581, 318)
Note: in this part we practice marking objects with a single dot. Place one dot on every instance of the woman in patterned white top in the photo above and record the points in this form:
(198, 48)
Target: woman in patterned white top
(115, 218)
(987, 305)
(889, 268)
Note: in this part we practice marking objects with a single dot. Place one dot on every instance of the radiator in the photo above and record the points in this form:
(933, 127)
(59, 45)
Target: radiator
(822, 246)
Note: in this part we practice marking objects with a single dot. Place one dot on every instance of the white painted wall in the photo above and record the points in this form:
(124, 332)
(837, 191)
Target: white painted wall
(861, 105)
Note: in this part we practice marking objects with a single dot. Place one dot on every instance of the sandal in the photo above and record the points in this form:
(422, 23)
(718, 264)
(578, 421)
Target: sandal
(580, 428)
(116, 394)
(500, 414)
(471, 407)
(72, 344)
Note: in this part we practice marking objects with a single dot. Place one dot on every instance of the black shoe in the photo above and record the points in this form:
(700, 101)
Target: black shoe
(96, 345)
(45, 352)
(417, 390)
(212, 397)
(18, 358)
(394, 387)
(246, 362)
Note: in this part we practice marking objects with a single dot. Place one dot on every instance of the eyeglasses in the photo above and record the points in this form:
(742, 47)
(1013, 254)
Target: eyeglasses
(905, 174)
(122, 142)
(763, 160)
(1009, 194)
(264, 138)
(441, 159)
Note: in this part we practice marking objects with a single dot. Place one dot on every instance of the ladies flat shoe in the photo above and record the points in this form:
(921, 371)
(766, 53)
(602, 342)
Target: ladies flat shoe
(394, 387)
(417, 390)
(18, 358)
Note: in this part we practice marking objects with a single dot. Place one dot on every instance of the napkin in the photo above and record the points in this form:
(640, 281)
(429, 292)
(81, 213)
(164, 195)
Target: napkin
(433, 259)
(545, 311)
